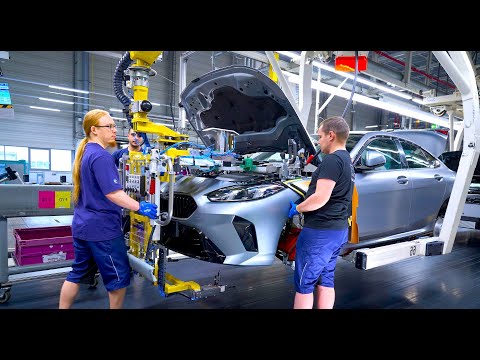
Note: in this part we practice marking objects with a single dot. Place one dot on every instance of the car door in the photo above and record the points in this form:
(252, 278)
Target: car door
(384, 193)
(428, 185)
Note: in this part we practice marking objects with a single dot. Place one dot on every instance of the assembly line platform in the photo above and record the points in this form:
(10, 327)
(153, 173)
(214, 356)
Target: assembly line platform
(447, 281)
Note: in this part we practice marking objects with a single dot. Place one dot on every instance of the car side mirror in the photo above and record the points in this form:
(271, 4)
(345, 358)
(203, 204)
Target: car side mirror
(436, 163)
(371, 160)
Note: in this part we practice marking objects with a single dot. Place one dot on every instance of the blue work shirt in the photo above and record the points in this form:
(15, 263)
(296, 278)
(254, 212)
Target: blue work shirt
(95, 218)
(117, 155)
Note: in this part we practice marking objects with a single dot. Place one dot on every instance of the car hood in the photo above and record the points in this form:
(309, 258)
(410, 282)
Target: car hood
(243, 101)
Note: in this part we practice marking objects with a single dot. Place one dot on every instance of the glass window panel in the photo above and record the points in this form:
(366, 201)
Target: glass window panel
(39, 159)
(16, 153)
(2, 152)
(388, 148)
(417, 157)
(61, 160)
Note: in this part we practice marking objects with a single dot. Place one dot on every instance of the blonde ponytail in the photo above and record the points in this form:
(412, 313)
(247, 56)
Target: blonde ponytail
(90, 119)
(76, 170)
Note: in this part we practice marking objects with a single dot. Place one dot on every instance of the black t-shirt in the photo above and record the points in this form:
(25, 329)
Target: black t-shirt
(338, 167)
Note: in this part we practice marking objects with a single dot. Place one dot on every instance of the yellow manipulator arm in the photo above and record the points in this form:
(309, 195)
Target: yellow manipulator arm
(144, 58)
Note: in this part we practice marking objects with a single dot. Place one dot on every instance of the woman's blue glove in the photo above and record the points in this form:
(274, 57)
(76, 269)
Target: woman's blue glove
(293, 209)
(148, 209)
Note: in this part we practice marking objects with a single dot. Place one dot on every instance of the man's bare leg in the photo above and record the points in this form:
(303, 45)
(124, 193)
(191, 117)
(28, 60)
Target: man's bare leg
(68, 294)
(116, 298)
(303, 301)
(325, 297)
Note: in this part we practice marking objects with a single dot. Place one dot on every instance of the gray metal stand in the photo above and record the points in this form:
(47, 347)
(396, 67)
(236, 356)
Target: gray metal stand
(23, 201)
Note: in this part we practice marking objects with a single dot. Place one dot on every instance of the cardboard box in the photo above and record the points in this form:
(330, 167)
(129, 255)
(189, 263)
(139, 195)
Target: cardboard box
(43, 245)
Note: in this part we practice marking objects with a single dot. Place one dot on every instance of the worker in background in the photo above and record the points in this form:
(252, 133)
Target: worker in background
(326, 211)
(96, 227)
(135, 142)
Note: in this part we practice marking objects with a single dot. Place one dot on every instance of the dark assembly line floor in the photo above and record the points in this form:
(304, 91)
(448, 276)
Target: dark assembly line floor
(450, 281)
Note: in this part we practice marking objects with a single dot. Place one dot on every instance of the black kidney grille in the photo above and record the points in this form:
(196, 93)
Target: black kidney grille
(183, 206)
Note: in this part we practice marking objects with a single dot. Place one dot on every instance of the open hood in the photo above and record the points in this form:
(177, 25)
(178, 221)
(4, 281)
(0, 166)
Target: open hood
(248, 103)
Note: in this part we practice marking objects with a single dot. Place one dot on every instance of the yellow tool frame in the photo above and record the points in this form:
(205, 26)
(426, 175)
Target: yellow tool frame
(141, 228)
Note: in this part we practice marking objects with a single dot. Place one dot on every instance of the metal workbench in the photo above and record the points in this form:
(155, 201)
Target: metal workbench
(25, 200)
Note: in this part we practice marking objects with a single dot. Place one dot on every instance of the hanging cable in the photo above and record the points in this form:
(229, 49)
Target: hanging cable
(353, 86)
(173, 117)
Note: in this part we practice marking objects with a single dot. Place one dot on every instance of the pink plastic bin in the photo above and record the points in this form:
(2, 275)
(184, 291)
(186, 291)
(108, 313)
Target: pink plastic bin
(43, 245)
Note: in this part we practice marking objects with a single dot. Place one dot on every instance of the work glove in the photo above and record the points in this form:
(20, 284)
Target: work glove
(293, 209)
(148, 209)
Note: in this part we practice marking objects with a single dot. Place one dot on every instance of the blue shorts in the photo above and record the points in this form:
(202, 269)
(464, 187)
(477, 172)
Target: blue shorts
(110, 256)
(316, 256)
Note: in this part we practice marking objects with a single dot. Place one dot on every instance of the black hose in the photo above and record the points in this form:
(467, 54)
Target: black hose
(122, 65)
(118, 78)
(173, 117)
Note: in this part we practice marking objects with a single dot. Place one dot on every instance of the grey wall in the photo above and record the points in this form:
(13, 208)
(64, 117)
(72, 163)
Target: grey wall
(30, 72)
(33, 71)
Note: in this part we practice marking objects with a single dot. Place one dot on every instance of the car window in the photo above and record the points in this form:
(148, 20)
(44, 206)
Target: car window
(388, 148)
(416, 156)
(352, 140)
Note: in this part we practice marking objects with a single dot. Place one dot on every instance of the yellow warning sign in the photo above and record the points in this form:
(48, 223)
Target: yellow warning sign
(62, 199)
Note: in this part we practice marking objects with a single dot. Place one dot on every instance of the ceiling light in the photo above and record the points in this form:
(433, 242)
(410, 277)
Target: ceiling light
(375, 126)
(43, 108)
(118, 118)
(350, 76)
(57, 101)
(115, 110)
(68, 89)
(407, 110)
(71, 95)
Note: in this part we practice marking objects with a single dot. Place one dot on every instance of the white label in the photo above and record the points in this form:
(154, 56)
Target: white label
(54, 257)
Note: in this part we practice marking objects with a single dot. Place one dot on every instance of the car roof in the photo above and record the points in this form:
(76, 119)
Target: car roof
(432, 141)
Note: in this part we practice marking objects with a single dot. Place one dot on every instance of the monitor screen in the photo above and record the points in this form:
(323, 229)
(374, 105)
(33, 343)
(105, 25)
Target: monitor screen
(5, 98)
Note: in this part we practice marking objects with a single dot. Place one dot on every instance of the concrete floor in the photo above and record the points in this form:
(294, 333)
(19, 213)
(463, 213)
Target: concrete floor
(448, 281)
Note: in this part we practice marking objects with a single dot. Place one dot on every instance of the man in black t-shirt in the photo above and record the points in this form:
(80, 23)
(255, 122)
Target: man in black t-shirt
(326, 211)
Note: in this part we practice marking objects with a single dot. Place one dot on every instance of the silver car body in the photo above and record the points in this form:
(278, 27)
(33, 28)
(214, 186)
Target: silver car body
(394, 203)
(401, 202)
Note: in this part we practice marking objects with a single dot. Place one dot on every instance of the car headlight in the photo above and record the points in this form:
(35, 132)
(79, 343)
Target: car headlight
(244, 193)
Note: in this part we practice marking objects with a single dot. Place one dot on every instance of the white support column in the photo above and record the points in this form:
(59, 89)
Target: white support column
(458, 138)
(305, 88)
(329, 99)
(458, 67)
(450, 138)
(182, 83)
(317, 101)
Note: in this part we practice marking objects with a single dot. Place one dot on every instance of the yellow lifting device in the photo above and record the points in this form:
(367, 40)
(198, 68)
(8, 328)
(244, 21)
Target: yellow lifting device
(143, 174)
